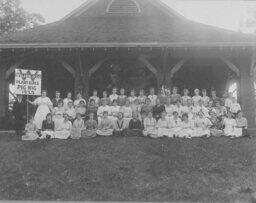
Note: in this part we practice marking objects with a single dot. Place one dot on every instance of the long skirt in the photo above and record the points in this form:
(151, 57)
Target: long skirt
(233, 132)
(30, 136)
(62, 134)
(175, 131)
(47, 134)
(76, 133)
(151, 132)
(216, 132)
(199, 132)
(161, 132)
(119, 133)
(126, 122)
(40, 115)
(107, 132)
(133, 132)
(88, 133)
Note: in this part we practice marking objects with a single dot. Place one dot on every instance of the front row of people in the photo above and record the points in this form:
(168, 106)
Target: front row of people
(174, 126)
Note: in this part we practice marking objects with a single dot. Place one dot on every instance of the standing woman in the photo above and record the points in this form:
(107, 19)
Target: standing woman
(44, 107)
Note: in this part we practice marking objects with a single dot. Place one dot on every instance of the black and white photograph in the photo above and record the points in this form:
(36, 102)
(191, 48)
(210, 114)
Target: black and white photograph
(128, 100)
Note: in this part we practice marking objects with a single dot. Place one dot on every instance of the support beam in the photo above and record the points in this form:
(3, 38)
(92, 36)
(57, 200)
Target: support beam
(177, 67)
(231, 66)
(3, 89)
(247, 91)
(97, 66)
(253, 64)
(146, 63)
(68, 67)
(12, 68)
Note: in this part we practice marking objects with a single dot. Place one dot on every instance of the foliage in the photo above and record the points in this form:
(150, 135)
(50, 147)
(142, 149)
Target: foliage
(14, 18)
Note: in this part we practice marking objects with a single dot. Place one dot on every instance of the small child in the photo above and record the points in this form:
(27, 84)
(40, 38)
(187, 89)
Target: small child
(31, 130)
(77, 128)
(105, 126)
(90, 127)
(163, 128)
(135, 126)
(150, 126)
(119, 125)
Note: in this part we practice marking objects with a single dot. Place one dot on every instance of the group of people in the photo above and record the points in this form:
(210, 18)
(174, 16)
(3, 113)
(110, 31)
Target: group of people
(168, 114)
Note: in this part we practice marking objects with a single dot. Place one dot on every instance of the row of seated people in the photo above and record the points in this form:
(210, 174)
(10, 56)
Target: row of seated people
(174, 126)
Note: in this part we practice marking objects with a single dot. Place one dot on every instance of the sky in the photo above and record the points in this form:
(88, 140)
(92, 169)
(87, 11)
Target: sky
(223, 13)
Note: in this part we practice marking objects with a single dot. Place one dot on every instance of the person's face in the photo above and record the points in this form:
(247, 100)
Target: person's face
(19, 97)
(163, 115)
(49, 118)
(134, 115)
(114, 91)
(57, 94)
(196, 92)
(95, 93)
(204, 93)
(65, 116)
(213, 94)
(127, 103)
(174, 91)
(141, 93)
(185, 92)
(60, 104)
(175, 115)
(104, 103)
(217, 104)
(210, 103)
(147, 101)
(31, 120)
(114, 103)
(132, 93)
(70, 104)
(150, 115)
(105, 115)
(78, 116)
(81, 103)
(152, 91)
(69, 95)
(122, 91)
(229, 115)
(92, 102)
(105, 94)
(43, 94)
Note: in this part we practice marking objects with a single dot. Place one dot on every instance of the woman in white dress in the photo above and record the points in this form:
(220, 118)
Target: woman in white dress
(31, 130)
(64, 130)
(187, 127)
(196, 97)
(175, 124)
(44, 107)
(150, 126)
(205, 98)
(169, 108)
(127, 112)
(202, 125)
(79, 99)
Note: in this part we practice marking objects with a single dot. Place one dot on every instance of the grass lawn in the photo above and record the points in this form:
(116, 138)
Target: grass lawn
(128, 169)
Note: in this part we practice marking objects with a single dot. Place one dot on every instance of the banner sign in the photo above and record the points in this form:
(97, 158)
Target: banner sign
(28, 82)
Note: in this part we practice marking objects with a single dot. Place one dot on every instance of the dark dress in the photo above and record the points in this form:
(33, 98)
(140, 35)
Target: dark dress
(48, 126)
(214, 100)
(157, 110)
(135, 128)
(19, 113)
(55, 102)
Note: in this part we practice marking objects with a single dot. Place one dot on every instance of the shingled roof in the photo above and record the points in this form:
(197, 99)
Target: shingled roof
(139, 21)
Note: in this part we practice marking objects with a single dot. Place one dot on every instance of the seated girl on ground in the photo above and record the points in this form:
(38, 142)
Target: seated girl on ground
(216, 127)
(119, 125)
(70, 111)
(31, 130)
(81, 109)
(48, 127)
(150, 126)
(230, 125)
(64, 129)
(241, 122)
(135, 126)
(202, 125)
(175, 124)
(90, 127)
(78, 126)
(187, 127)
(105, 126)
(163, 127)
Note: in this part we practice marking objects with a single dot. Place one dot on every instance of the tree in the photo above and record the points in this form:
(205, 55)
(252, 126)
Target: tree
(14, 18)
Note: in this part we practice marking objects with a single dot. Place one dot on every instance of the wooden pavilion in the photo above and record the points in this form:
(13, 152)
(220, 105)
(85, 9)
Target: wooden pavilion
(104, 38)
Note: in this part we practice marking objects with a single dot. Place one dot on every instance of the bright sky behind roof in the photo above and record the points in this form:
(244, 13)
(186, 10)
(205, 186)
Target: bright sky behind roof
(225, 14)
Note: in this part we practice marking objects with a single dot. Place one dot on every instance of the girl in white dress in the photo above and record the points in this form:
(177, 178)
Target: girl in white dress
(187, 127)
(44, 107)
(102, 109)
(95, 98)
(202, 125)
(132, 97)
(169, 108)
(77, 128)
(150, 126)
(114, 95)
(64, 130)
(185, 96)
(127, 112)
(67, 100)
(152, 96)
(230, 125)
(115, 109)
(142, 97)
(175, 124)
(163, 127)
(196, 97)
(205, 98)
(79, 99)
(71, 111)
(31, 130)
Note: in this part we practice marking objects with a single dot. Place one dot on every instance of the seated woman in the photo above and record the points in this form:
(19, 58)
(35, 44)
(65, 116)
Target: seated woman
(202, 125)
(185, 97)
(132, 97)
(146, 108)
(187, 127)
(216, 127)
(114, 110)
(64, 130)
(92, 108)
(121, 98)
(127, 112)
(70, 111)
(78, 126)
(135, 126)
(105, 126)
(31, 130)
(105, 98)
(242, 125)
(175, 124)
(102, 109)
(90, 127)
(158, 109)
(95, 98)
(48, 128)
(163, 126)
(220, 110)
(81, 109)
(230, 125)
(58, 113)
(119, 126)
(150, 126)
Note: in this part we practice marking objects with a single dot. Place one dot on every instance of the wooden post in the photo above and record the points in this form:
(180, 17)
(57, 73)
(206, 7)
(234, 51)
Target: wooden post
(247, 91)
(84, 75)
(3, 89)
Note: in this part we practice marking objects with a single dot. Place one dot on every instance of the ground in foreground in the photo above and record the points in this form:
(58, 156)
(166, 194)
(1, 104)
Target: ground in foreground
(128, 169)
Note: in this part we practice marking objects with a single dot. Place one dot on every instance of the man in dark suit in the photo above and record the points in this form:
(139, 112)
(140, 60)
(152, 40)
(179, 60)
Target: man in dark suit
(19, 114)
